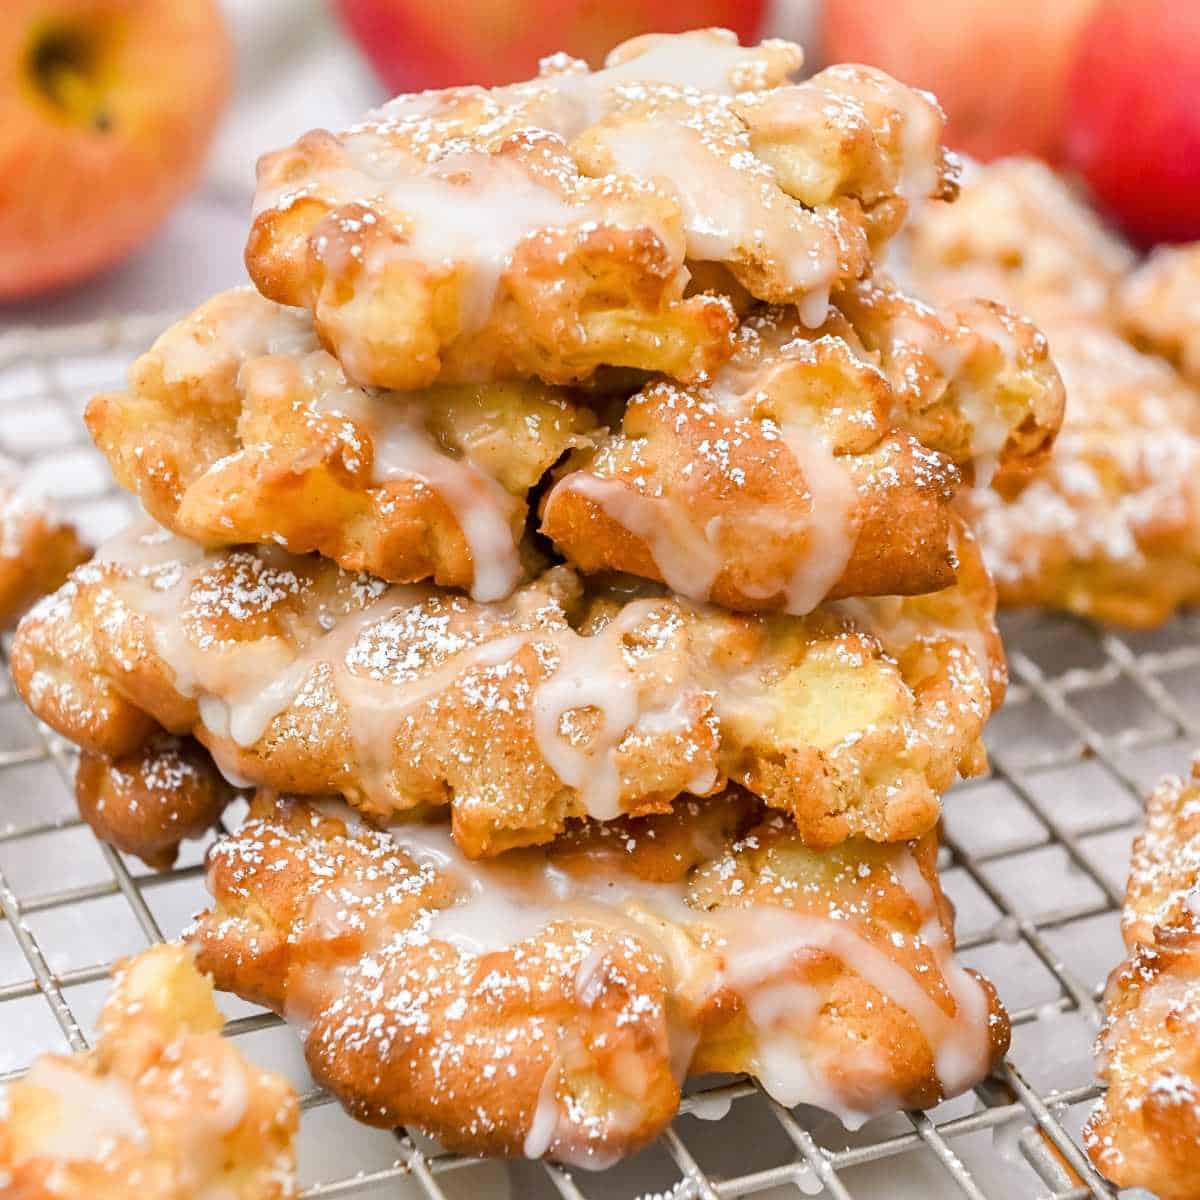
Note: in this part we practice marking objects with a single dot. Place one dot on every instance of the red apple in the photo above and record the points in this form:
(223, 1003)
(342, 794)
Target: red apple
(108, 108)
(1133, 116)
(418, 44)
(997, 66)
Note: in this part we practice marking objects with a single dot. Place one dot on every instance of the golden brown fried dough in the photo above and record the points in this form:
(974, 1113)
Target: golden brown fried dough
(1110, 526)
(162, 1107)
(1145, 1131)
(548, 228)
(1159, 307)
(556, 703)
(972, 380)
(795, 475)
(37, 549)
(152, 799)
(550, 1002)
(237, 427)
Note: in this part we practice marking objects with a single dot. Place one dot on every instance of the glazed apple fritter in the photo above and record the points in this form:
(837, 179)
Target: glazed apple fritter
(1145, 1131)
(801, 473)
(1159, 307)
(698, 486)
(551, 227)
(550, 1002)
(1109, 528)
(149, 801)
(37, 549)
(162, 1107)
(560, 702)
(238, 427)
(1020, 234)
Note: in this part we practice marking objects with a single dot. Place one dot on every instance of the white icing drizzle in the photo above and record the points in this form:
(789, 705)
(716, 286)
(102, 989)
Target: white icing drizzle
(239, 698)
(592, 673)
(430, 159)
(732, 206)
(687, 561)
(403, 448)
(830, 538)
(91, 1114)
(961, 1046)
(753, 950)
(464, 206)
(689, 558)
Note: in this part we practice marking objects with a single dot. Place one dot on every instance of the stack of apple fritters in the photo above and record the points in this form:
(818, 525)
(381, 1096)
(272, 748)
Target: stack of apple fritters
(562, 542)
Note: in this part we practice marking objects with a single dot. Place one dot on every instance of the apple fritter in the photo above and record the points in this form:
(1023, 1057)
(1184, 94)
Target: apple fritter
(149, 801)
(550, 1002)
(1145, 1131)
(162, 1107)
(551, 227)
(1159, 306)
(1020, 234)
(37, 549)
(238, 427)
(816, 464)
(559, 702)
(1109, 528)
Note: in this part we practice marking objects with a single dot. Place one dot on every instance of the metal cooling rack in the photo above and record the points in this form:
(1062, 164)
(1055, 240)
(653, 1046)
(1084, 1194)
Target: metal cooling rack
(1034, 859)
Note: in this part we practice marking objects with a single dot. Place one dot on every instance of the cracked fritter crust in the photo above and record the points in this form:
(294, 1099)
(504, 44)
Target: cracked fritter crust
(552, 1001)
(1158, 306)
(1109, 528)
(1145, 1131)
(238, 427)
(162, 1107)
(551, 227)
(557, 703)
(150, 800)
(37, 549)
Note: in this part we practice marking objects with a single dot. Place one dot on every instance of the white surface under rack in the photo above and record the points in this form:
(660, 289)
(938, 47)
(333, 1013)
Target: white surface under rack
(1034, 859)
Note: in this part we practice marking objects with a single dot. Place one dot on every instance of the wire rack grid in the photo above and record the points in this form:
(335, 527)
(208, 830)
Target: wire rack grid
(1034, 858)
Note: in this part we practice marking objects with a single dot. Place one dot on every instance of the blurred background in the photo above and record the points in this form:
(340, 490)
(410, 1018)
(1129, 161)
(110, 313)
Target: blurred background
(128, 162)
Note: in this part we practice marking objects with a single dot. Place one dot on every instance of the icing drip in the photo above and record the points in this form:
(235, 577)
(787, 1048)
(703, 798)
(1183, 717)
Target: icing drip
(687, 561)
(91, 1114)
(381, 661)
(403, 448)
(757, 951)
(830, 539)
(732, 206)
(591, 674)
(961, 1046)
(464, 205)
(689, 558)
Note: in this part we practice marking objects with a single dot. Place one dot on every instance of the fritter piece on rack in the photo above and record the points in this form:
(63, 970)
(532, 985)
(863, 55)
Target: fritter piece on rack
(1018, 233)
(560, 702)
(1145, 1131)
(238, 427)
(149, 801)
(1110, 527)
(37, 549)
(1159, 306)
(162, 1108)
(812, 466)
(551, 227)
(550, 1002)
